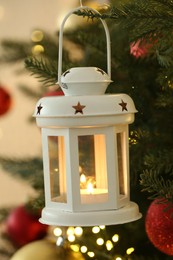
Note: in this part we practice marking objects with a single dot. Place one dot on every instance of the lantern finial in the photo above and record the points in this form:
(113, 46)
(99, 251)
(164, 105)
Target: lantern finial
(81, 3)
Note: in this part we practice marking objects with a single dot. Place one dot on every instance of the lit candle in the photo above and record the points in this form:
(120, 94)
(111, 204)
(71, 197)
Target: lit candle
(93, 195)
(89, 193)
(83, 178)
(90, 188)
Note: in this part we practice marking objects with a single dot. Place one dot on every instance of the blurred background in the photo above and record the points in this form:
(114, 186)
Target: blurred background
(18, 137)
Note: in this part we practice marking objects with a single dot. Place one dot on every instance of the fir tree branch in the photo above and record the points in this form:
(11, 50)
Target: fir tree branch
(154, 183)
(44, 71)
(22, 168)
(160, 161)
(14, 50)
(158, 177)
(165, 100)
(142, 18)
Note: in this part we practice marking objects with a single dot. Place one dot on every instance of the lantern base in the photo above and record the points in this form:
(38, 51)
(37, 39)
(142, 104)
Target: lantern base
(126, 214)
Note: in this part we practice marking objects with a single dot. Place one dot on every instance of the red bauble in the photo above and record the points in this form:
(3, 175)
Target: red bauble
(23, 227)
(140, 49)
(5, 101)
(54, 93)
(159, 226)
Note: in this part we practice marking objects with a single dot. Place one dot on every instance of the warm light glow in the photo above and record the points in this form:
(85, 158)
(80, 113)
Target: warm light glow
(83, 178)
(115, 238)
(130, 250)
(57, 231)
(59, 241)
(95, 230)
(118, 258)
(90, 188)
(70, 231)
(75, 248)
(78, 231)
(37, 49)
(37, 36)
(109, 245)
(91, 254)
(100, 241)
(83, 249)
(102, 227)
(71, 238)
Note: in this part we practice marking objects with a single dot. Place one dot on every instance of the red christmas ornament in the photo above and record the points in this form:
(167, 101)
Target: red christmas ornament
(54, 93)
(140, 49)
(159, 226)
(23, 227)
(5, 101)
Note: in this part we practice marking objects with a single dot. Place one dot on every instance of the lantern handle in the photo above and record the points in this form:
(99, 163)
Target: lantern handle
(61, 39)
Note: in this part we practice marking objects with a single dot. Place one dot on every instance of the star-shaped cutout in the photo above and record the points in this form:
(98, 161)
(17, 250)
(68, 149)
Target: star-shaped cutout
(39, 108)
(123, 105)
(101, 71)
(79, 108)
(66, 72)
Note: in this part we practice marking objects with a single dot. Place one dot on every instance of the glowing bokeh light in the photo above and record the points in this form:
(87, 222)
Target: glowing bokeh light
(115, 238)
(37, 36)
(130, 250)
(96, 230)
(78, 231)
(100, 241)
(91, 254)
(57, 231)
(83, 249)
(109, 245)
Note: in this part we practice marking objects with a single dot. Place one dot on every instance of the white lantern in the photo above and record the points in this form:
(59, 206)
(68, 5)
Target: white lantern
(85, 148)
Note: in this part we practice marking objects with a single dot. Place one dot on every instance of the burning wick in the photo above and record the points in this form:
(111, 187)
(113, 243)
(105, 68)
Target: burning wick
(90, 188)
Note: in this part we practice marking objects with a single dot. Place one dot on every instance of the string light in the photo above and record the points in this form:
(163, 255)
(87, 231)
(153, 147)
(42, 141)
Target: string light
(130, 250)
(57, 231)
(37, 49)
(59, 241)
(71, 238)
(133, 137)
(96, 229)
(100, 241)
(115, 238)
(91, 254)
(70, 231)
(83, 249)
(75, 248)
(109, 245)
(118, 258)
(37, 36)
(102, 227)
(78, 231)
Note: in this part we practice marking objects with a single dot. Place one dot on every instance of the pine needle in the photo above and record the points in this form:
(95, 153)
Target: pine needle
(42, 70)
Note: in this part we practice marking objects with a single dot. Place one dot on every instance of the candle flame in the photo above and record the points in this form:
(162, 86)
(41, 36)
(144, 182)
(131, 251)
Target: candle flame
(90, 188)
(83, 178)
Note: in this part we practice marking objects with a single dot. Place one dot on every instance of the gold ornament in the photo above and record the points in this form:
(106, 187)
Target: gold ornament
(44, 250)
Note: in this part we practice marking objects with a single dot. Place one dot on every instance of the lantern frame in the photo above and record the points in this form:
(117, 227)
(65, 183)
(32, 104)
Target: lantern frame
(84, 111)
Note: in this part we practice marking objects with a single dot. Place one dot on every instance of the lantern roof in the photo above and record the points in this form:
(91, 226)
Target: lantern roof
(84, 106)
(85, 110)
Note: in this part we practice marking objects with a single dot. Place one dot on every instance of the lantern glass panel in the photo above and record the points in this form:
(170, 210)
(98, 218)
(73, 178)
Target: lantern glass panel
(121, 158)
(57, 168)
(93, 169)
